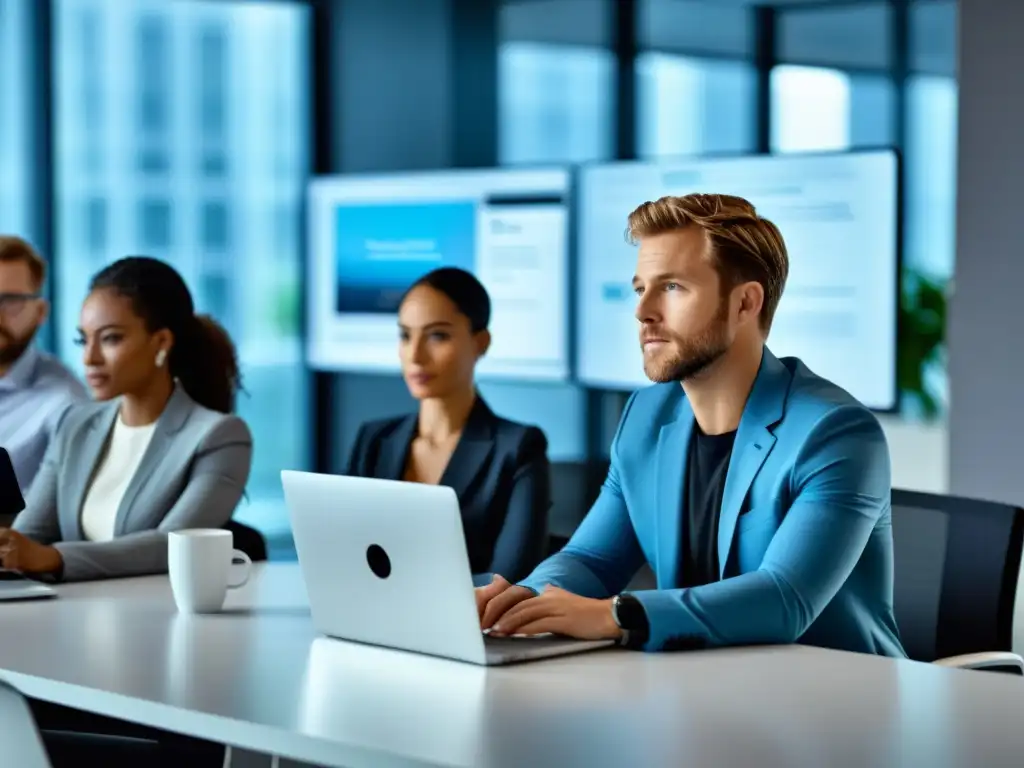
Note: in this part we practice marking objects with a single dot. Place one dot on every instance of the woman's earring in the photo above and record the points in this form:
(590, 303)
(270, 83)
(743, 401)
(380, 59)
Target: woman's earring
(161, 358)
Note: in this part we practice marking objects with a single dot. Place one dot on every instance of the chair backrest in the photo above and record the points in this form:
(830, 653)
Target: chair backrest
(22, 744)
(957, 575)
(575, 486)
(249, 540)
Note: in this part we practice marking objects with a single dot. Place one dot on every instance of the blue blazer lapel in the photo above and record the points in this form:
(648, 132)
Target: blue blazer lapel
(470, 456)
(673, 442)
(754, 441)
(473, 451)
(394, 451)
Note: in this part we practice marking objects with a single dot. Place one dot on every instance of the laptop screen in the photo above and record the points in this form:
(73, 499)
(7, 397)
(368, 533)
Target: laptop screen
(11, 501)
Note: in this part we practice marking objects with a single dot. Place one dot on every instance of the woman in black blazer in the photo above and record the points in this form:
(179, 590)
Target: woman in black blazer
(498, 468)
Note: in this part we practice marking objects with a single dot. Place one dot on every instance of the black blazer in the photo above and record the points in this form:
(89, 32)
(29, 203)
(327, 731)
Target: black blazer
(500, 472)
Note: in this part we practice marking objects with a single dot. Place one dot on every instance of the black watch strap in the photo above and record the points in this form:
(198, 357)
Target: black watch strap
(632, 620)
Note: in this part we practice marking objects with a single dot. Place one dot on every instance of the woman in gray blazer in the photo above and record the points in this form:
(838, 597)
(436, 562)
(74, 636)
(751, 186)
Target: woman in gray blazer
(158, 452)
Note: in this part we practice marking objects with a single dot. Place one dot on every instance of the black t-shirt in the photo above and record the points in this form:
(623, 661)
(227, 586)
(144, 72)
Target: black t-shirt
(707, 467)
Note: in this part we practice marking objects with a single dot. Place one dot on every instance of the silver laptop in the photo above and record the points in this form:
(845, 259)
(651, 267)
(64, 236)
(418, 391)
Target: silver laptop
(15, 586)
(385, 563)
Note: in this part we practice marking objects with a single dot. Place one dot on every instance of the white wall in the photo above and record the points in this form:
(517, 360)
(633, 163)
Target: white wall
(919, 454)
(986, 367)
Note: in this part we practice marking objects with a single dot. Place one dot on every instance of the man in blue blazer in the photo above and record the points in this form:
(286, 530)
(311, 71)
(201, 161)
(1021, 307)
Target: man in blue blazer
(757, 491)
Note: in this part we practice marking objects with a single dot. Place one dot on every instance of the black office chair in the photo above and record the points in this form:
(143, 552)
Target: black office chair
(959, 596)
(575, 486)
(74, 738)
(249, 540)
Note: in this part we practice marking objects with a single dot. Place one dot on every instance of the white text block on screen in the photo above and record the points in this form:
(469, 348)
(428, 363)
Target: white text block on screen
(838, 214)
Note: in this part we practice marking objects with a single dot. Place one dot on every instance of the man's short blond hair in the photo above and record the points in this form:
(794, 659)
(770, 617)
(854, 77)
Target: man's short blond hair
(745, 247)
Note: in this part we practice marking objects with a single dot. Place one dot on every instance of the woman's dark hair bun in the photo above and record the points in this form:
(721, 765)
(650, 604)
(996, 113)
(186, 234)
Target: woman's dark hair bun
(463, 289)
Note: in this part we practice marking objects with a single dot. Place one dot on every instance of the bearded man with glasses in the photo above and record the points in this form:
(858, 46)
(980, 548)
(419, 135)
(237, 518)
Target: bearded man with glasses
(35, 388)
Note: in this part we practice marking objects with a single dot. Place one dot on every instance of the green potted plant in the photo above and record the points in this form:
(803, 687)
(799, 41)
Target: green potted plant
(921, 340)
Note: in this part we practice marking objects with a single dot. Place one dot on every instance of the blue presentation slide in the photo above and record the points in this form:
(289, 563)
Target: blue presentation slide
(372, 236)
(382, 248)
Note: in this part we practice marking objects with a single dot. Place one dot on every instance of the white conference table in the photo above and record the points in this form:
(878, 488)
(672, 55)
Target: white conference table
(257, 677)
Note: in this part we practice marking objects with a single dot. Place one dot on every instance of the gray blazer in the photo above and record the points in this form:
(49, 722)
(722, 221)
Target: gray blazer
(192, 475)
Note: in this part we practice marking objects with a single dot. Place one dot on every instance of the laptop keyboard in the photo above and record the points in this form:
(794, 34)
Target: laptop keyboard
(519, 643)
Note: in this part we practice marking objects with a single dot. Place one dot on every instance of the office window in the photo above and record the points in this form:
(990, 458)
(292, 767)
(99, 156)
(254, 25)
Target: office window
(933, 30)
(815, 108)
(152, 71)
(216, 290)
(82, 75)
(872, 110)
(17, 84)
(152, 160)
(194, 177)
(930, 153)
(213, 163)
(694, 106)
(555, 103)
(855, 35)
(215, 223)
(696, 28)
(930, 172)
(212, 96)
(154, 222)
(584, 23)
(930, 159)
(94, 234)
(810, 109)
(930, 208)
(213, 88)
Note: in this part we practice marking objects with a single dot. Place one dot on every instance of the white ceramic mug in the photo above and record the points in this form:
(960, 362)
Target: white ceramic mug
(199, 563)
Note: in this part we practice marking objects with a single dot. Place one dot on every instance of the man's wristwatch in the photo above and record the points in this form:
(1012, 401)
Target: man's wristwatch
(630, 616)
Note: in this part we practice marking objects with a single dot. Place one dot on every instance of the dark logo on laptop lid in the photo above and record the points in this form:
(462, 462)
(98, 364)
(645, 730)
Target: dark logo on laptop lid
(378, 561)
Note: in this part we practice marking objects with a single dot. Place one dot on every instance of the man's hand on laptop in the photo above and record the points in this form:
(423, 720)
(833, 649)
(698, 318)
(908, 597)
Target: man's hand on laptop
(510, 610)
(494, 599)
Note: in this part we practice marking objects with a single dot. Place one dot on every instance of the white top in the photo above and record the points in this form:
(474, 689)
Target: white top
(121, 458)
(257, 676)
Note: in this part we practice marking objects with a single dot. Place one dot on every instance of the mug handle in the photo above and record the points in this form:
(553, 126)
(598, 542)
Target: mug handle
(237, 555)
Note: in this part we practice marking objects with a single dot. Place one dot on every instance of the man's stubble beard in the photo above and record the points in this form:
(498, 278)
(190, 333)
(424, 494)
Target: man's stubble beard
(695, 354)
(13, 348)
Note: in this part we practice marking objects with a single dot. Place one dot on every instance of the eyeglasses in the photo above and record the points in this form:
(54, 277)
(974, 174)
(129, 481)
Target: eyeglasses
(13, 304)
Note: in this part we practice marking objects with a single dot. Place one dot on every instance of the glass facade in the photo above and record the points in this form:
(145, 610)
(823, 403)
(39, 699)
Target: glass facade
(16, 107)
(692, 106)
(181, 133)
(556, 103)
